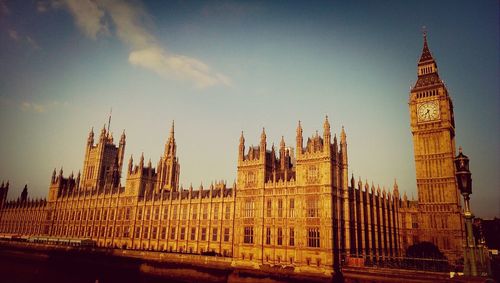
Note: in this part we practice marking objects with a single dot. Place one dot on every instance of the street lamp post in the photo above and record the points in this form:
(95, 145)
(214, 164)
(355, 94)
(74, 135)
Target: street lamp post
(472, 264)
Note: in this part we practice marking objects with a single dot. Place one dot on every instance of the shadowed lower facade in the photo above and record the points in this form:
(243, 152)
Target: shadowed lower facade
(290, 206)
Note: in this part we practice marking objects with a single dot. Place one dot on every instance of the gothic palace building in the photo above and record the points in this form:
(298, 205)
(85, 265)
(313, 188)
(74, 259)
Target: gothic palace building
(288, 208)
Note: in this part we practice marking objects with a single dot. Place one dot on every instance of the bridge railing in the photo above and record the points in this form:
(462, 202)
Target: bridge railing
(409, 263)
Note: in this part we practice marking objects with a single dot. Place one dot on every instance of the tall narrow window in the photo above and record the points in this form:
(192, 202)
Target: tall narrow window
(280, 208)
(248, 209)
(126, 232)
(291, 208)
(172, 233)
(118, 232)
(269, 207)
(228, 212)
(193, 233)
(313, 238)
(248, 235)
(216, 211)
(203, 234)
(183, 233)
(205, 211)
(195, 212)
(214, 234)
(414, 221)
(226, 234)
(174, 214)
(184, 212)
(157, 213)
(312, 207)
(165, 213)
(154, 233)
(268, 236)
(292, 237)
(139, 213)
(137, 232)
(280, 237)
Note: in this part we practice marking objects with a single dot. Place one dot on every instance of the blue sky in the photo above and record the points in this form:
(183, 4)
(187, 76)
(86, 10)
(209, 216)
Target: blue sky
(221, 67)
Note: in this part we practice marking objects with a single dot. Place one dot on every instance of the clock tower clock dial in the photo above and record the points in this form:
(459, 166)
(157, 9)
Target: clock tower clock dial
(428, 111)
(433, 130)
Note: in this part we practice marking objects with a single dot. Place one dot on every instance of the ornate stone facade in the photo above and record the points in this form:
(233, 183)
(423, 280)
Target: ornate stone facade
(440, 218)
(300, 210)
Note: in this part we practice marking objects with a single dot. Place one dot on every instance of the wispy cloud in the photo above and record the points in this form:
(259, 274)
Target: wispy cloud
(89, 17)
(131, 22)
(28, 106)
(35, 107)
(172, 65)
(43, 6)
(24, 39)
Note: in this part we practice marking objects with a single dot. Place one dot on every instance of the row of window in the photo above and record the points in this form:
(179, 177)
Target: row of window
(291, 208)
(14, 217)
(124, 213)
(92, 214)
(16, 227)
(312, 208)
(427, 93)
(426, 70)
(155, 233)
(313, 236)
(192, 236)
(90, 172)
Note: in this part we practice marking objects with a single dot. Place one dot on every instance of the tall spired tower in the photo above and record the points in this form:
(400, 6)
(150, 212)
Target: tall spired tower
(433, 129)
(168, 166)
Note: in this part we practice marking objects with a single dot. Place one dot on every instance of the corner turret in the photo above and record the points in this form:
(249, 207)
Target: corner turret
(241, 153)
(90, 139)
(300, 140)
(327, 136)
(24, 194)
(263, 144)
(169, 166)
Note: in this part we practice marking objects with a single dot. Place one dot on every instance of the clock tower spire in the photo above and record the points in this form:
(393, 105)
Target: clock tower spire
(433, 130)
(427, 70)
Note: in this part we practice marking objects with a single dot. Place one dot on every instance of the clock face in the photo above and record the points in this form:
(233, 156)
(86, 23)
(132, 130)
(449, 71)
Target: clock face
(428, 111)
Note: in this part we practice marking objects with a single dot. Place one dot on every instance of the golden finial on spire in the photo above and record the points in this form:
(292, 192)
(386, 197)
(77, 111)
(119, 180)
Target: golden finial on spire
(424, 31)
(299, 128)
(109, 120)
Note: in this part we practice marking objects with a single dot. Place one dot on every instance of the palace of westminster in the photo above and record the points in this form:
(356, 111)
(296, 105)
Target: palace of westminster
(289, 206)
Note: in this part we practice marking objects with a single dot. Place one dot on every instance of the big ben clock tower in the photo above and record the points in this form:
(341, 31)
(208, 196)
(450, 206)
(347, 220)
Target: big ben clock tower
(433, 129)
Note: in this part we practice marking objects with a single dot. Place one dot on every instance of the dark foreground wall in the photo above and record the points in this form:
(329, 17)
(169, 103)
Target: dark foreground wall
(26, 263)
